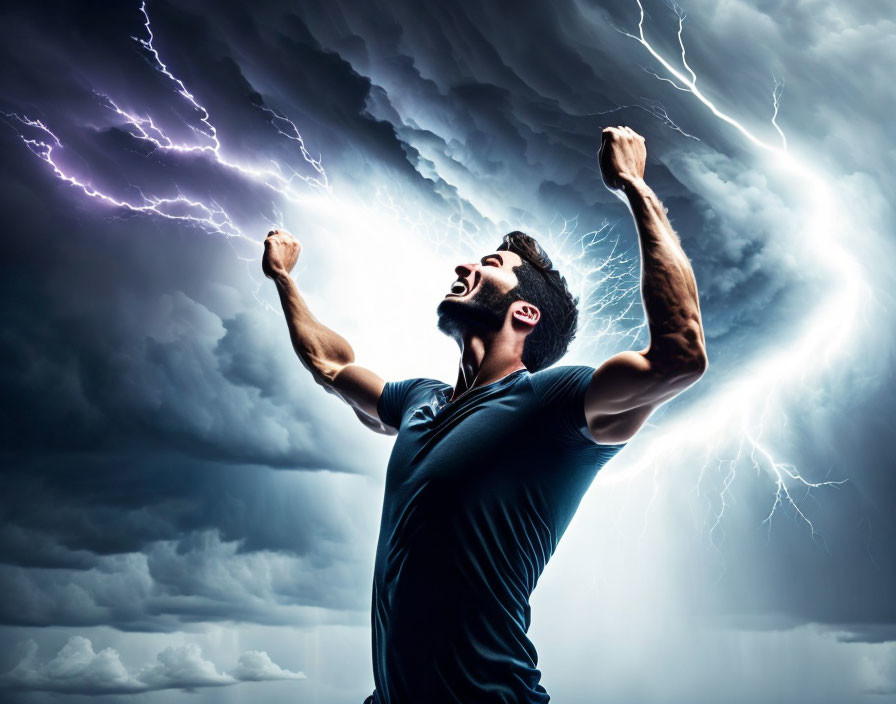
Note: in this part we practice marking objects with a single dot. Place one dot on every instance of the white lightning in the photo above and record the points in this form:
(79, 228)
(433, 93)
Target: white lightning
(655, 108)
(607, 284)
(743, 404)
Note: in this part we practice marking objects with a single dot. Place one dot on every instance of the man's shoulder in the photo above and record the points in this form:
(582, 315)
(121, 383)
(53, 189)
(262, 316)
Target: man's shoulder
(398, 397)
(560, 370)
(413, 381)
(419, 382)
(562, 380)
(562, 390)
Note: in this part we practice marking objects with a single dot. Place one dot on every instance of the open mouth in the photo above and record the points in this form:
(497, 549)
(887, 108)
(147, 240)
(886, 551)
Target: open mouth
(462, 287)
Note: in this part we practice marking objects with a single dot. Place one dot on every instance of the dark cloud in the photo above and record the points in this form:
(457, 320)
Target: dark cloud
(166, 460)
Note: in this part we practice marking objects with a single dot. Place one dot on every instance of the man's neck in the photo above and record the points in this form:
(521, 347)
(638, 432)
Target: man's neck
(484, 360)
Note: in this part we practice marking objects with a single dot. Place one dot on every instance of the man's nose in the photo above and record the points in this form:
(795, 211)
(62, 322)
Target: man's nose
(464, 270)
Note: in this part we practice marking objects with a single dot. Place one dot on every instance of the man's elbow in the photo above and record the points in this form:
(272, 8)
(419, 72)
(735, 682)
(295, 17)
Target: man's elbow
(698, 364)
(682, 370)
(324, 372)
(690, 370)
(689, 360)
(679, 364)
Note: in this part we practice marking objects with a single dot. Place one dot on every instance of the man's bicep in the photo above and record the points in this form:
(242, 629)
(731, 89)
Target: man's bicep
(361, 388)
(624, 391)
(374, 424)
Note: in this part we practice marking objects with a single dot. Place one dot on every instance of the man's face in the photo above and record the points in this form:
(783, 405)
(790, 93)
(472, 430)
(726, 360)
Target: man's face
(480, 296)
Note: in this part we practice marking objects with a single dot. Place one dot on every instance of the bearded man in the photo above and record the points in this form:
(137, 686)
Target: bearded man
(485, 475)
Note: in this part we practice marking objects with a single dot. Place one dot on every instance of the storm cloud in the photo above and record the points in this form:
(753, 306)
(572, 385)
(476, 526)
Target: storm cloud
(173, 476)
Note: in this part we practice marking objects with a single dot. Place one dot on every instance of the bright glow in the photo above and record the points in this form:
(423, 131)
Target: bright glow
(746, 403)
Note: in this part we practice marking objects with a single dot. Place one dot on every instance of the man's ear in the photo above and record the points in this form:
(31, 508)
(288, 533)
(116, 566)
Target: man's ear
(526, 313)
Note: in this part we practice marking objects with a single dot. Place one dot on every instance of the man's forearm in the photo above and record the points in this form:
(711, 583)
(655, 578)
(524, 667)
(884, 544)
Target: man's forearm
(322, 351)
(668, 287)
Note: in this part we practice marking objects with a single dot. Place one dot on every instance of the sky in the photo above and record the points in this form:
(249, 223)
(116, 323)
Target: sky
(185, 511)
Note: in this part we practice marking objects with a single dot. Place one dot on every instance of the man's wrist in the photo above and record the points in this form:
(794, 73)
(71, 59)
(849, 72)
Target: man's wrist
(633, 185)
(282, 278)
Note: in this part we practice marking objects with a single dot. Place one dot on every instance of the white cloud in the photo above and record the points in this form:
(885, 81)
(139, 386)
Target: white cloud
(75, 668)
(182, 668)
(78, 669)
(256, 666)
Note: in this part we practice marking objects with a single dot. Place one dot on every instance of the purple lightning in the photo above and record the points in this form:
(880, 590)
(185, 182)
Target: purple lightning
(270, 178)
(210, 216)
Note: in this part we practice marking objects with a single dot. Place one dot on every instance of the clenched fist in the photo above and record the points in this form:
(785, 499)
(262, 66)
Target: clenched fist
(622, 157)
(281, 251)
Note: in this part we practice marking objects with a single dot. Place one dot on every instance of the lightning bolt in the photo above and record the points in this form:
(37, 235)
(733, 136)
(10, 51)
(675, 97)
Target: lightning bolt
(207, 215)
(283, 125)
(654, 108)
(745, 403)
(604, 275)
(210, 217)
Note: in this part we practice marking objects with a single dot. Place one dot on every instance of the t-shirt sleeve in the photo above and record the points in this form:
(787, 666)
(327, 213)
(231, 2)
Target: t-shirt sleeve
(398, 397)
(561, 391)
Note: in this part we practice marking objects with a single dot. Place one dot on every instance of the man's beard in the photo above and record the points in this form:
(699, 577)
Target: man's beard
(484, 312)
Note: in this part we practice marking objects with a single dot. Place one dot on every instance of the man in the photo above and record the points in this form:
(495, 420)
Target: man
(485, 476)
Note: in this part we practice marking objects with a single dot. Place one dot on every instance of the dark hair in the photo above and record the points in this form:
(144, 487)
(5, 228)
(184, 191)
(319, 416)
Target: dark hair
(542, 285)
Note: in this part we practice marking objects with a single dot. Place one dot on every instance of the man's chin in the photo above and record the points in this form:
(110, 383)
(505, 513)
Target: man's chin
(451, 314)
(484, 311)
(459, 316)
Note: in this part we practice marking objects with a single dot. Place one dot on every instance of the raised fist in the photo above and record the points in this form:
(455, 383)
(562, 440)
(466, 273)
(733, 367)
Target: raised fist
(622, 156)
(281, 251)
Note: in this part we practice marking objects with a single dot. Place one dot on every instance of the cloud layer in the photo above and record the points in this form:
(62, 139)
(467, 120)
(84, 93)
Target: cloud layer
(78, 669)
(170, 467)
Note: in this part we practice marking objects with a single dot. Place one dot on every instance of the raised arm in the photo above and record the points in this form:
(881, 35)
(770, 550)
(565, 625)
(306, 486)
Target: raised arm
(324, 353)
(627, 388)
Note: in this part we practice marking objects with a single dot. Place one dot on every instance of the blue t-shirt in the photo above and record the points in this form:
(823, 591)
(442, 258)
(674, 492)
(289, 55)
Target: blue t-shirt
(478, 493)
